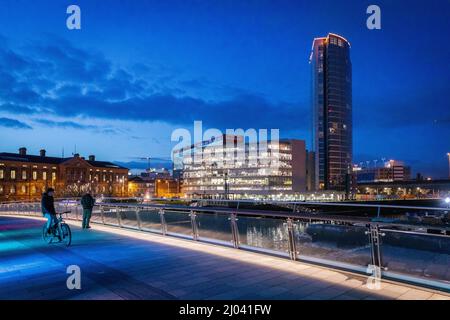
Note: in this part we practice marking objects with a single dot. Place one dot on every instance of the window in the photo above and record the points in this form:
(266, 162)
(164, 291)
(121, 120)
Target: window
(33, 189)
(44, 175)
(2, 174)
(13, 174)
(1, 189)
(24, 189)
(12, 190)
(34, 175)
(24, 175)
(53, 175)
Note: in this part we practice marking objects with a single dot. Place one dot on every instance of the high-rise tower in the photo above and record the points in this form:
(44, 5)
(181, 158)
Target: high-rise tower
(332, 111)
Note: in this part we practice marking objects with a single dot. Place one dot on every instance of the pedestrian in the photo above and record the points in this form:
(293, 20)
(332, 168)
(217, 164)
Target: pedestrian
(87, 202)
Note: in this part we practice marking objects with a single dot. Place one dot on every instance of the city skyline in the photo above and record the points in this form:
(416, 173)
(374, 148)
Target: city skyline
(63, 88)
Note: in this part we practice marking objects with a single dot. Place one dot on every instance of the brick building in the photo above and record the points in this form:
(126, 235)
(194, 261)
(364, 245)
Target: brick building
(25, 177)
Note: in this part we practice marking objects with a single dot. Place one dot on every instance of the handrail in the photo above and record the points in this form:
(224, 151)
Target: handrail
(277, 214)
(320, 203)
(256, 202)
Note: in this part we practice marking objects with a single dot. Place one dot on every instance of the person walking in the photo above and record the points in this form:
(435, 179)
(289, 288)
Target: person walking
(87, 202)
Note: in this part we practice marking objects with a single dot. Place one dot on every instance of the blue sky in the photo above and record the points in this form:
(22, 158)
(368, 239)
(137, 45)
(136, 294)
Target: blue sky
(137, 70)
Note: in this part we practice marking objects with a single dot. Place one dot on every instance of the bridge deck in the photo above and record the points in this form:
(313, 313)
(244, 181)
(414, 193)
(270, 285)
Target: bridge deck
(120, 264)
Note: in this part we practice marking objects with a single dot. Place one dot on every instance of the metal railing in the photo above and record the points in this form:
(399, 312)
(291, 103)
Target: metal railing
(414, 253)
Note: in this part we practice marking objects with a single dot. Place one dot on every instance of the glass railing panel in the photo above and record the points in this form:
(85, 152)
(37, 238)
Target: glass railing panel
(128, 217)
(61, 207)
(96, 215)
(178, 222)
(265, 234)
(72, 215)
(150, 220)
(37, 210)
(346, 246)
(425, 257)
(214, 227)
(110, 216)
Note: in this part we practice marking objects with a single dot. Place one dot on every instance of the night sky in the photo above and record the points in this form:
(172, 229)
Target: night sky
(137, 70)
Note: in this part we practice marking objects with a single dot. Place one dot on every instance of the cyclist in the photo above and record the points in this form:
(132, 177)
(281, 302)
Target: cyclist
(48, 209)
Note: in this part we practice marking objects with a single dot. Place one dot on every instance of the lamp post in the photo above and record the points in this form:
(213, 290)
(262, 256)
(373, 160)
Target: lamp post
(448, 157)
(122, 182)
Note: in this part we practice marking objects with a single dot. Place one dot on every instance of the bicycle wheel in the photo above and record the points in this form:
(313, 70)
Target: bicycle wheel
(48, 238)
(66, 234)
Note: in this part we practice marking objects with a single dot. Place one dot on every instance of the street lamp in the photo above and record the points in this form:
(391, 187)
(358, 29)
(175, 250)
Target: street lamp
(447, 202)
(448, 156)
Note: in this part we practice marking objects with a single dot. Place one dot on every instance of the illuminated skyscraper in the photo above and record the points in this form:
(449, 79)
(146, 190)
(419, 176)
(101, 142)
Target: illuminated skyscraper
(332, 111)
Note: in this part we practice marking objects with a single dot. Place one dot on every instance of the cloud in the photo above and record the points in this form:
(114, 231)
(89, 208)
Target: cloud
(64, 124)
(12, 123)
(77, 126)
(17, 108)
(66, 81)
(242, 111)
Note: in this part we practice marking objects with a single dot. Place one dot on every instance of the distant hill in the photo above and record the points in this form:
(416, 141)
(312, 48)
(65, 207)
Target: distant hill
(142, 165)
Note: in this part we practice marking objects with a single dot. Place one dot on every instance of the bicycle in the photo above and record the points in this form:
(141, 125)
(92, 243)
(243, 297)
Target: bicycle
(60, 231)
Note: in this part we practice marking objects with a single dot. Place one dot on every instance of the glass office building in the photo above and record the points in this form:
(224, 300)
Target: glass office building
(332, 111)
(226, 167)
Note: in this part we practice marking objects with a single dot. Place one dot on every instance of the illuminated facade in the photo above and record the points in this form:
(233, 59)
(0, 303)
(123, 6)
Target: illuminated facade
(148, 188)
(228, 168)
(392, 170)
(332, 111)
(26, 177)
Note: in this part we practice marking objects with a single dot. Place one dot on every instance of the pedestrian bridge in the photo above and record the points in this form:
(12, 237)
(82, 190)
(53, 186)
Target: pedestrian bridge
(120, 262)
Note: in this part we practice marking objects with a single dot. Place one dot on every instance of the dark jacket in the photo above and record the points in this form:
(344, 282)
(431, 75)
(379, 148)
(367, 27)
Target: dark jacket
(48, 204)
(88, 202)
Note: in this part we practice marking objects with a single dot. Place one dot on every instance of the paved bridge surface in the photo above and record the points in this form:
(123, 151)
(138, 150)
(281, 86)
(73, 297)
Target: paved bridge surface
(123, 264)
